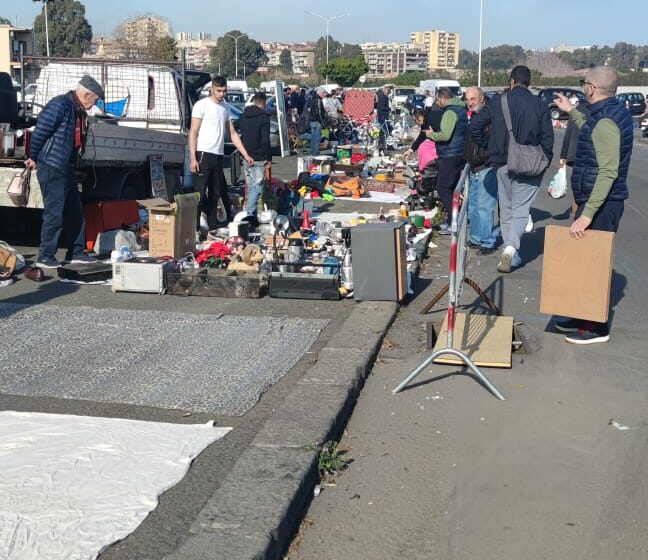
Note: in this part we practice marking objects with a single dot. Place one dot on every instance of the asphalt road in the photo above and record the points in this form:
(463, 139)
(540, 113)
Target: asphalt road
(445, 471)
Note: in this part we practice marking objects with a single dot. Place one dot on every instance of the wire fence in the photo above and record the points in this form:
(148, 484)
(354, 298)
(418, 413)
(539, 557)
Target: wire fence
(142, 93)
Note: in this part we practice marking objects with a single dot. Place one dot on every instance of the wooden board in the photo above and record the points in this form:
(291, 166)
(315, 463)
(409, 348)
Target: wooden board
(485, 339)
(577, 274)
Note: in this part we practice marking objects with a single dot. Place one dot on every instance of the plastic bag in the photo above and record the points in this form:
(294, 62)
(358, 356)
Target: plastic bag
(558, 185)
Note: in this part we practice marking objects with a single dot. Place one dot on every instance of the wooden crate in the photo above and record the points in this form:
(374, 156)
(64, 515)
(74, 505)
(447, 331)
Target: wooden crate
(217, 283)
(378, 186)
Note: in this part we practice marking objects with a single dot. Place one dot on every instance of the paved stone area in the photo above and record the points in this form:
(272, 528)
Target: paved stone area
(201, 363)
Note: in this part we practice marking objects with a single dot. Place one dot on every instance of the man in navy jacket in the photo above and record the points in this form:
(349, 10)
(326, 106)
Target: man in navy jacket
(531, 126)
(56, 143)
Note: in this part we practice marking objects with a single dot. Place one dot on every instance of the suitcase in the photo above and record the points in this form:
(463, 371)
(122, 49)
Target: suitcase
(96, 272)
(108, 215)
(299, 285)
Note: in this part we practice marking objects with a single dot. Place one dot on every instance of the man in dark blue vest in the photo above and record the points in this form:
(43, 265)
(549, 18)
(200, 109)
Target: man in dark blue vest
(599, 178)
(450, 144)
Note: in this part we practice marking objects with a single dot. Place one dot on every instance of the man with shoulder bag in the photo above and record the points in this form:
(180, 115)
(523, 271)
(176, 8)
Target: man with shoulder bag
(520, 145)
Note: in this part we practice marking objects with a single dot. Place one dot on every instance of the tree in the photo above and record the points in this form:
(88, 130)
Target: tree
(343, 71)
(69, 31)
(502, 57)
(350, 50)
(250, 54)
(163, 49)
(468, 60)
(285, 59)
(4, 21)
(334, 50)
(409, 79)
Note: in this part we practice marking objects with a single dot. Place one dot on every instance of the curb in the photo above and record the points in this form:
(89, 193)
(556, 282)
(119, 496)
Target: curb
(258, 507)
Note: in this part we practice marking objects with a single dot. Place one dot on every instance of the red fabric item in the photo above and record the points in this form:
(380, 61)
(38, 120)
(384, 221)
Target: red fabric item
(359, 104)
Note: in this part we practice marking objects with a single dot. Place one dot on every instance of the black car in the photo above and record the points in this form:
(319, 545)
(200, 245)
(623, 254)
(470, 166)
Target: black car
(547, 95)
(415, 101)
(634, 101)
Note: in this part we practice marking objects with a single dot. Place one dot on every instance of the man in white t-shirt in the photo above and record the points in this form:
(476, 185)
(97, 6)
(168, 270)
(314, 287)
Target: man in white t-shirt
(209, 119)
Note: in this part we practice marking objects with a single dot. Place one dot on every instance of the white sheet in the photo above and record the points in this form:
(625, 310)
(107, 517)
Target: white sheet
(72, 485)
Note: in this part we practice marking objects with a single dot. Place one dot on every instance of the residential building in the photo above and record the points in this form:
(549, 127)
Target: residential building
(442, 47)
(197, 50)
(302, 56)
(143, 31)
(11, 40)
(569, 48)
(386, 60)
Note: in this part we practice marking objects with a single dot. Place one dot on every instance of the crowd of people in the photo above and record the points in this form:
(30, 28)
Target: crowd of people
(508, 140)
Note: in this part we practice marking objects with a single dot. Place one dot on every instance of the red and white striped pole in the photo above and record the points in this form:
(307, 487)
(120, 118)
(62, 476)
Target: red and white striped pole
(454, 252)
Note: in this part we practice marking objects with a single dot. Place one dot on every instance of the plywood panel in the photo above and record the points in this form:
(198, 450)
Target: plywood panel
(577, 274)
(485, 339)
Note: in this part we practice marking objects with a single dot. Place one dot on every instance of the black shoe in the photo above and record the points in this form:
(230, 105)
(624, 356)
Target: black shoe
(587, 336)
(474, 245)
(83, 258)
(485, 251)
(569, 325)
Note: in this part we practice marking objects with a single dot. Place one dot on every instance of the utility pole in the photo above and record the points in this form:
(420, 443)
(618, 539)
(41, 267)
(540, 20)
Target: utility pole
(481, 26)
(328, 20)
(236, 40)
(47, 45)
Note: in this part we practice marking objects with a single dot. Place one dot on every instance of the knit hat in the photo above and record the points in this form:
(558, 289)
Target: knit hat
(92, 85)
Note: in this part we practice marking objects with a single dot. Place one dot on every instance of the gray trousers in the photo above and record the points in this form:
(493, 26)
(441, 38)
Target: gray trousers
(516, 194)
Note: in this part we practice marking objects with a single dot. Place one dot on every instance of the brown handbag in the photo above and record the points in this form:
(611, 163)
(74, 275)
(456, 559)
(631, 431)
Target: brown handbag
(19, 187)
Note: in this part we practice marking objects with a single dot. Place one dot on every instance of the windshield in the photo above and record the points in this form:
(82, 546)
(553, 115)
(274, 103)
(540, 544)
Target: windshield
(404, 91)
(456, 91)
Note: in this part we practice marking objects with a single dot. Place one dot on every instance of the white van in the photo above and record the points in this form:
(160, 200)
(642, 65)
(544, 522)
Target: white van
(433, 85)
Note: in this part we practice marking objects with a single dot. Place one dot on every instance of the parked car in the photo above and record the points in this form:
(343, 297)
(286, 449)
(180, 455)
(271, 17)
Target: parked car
(236, 98)
(400, 95)
(643, 125)
(634, 101)
(547, 95)
(236, 114)
(415, 101)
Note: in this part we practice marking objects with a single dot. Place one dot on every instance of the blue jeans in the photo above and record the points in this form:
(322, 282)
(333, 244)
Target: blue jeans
(482, 200)
(254, 175)
(62, 211)
(316, 137)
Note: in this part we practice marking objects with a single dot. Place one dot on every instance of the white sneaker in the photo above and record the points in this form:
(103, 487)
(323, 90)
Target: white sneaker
(529, 226)
(516, 261)
(509, 255)
(204, 224)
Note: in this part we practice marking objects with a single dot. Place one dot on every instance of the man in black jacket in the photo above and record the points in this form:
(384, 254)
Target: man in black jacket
(254, 128)
(383, 111)
(482, 190)
(531, 126)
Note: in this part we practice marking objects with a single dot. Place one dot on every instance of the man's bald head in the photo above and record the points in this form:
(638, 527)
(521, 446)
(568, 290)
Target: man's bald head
(474, 98)
(605, 79)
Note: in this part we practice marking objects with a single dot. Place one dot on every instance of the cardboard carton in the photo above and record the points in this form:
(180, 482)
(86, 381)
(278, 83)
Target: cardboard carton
(172, 226)
(577, 274)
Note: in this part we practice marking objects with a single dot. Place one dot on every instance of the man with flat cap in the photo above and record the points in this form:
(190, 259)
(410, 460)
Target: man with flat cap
(57, 141)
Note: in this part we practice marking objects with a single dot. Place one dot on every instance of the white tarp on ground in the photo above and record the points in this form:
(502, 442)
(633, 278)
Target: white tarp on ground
(72, 485)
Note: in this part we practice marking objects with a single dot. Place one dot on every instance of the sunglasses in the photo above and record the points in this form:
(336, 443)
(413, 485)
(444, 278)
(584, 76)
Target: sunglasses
(583, 82)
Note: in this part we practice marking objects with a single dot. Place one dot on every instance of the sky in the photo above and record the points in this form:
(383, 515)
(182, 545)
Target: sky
(535, 24)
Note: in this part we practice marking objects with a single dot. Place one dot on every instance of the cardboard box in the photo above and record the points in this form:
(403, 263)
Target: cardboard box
(577, 274)
(172, 226)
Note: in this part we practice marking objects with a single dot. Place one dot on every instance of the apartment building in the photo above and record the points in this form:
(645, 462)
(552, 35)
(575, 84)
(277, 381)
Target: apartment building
(142, 32)
(11, 40)
(387, 60)
(197, 49)
(302, 55)
(442, 48)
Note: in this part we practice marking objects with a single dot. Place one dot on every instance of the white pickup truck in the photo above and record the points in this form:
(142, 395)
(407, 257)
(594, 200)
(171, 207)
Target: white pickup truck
(144, 114)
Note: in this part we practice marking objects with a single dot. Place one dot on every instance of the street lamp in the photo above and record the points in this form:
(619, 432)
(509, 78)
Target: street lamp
(243, 63)
(236, 39)
(47, 48)
(481, 26)
(328, 20)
